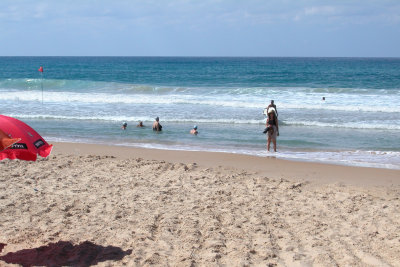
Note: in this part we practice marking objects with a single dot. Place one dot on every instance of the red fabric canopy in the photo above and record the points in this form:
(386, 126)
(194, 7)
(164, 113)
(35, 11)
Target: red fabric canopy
(30, 144)
(6, 141)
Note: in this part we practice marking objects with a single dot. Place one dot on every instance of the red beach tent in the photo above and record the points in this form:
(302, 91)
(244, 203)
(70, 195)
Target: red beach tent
(30, 144)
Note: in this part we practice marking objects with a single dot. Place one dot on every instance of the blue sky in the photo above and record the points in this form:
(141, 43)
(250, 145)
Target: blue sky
(200, 28)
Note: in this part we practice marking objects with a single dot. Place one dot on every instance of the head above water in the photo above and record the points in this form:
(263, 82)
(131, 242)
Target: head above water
(195, 127)
(157, 119)
(271, 111)
(272, 102)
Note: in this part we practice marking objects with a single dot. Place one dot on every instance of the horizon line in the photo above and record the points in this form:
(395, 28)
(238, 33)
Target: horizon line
(360, 57)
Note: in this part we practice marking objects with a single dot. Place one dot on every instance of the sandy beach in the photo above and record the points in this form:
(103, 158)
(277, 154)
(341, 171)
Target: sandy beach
(119, 206)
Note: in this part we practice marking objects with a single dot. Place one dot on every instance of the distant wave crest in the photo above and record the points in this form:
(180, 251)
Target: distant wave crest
(248, 102)
(117, 119)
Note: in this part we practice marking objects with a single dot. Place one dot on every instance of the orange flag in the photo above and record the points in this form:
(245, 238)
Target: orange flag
(6, 141)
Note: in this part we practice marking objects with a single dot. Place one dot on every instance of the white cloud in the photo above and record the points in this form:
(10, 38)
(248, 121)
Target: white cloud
(320, 10)
(203, 21)
(189, 12)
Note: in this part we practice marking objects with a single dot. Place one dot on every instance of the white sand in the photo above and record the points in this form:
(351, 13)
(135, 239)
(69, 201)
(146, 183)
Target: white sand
(76, 209)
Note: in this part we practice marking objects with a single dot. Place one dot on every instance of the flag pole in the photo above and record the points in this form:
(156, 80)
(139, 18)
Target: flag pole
(41, 83)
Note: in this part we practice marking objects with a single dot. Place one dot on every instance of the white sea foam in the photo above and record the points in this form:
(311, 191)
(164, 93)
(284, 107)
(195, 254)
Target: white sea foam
(385, 104)
(377, 159)
(348, 125)
(194, 119)
(129, 118)
(351, 108)
(119, 118)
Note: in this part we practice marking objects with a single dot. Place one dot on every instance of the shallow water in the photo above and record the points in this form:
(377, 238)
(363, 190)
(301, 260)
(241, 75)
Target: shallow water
(86, 99)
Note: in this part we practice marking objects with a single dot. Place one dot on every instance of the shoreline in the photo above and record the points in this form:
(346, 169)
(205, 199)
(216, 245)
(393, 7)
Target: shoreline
(269, 166)
(343, 157)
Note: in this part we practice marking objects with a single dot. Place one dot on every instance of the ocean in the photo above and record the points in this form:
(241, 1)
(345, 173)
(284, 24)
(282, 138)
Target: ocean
(86, 99)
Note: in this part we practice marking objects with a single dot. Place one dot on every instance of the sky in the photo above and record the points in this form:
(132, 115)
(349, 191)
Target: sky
(256, 28)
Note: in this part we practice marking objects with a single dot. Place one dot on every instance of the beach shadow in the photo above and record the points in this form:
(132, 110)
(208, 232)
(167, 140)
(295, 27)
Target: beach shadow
(2, 246)
(64, 253)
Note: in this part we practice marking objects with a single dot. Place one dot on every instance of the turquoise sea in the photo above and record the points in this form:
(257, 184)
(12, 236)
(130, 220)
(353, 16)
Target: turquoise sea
(86, 99)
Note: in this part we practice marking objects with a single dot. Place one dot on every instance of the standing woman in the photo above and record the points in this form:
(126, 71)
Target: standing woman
(272, 122)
